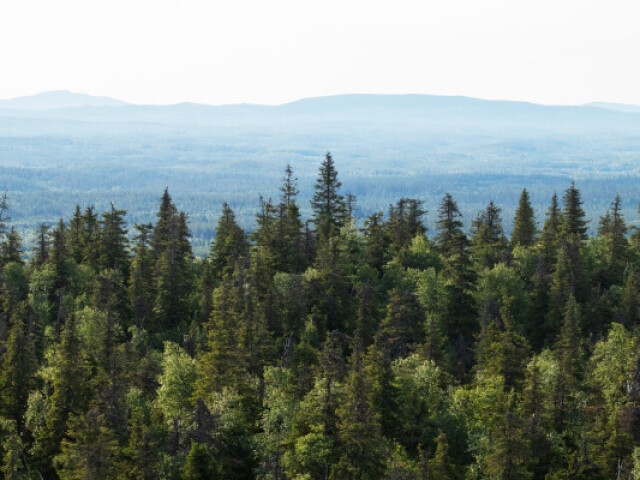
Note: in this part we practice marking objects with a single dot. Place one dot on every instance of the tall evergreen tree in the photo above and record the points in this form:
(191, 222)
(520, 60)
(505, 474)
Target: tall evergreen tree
(112, 243)
(551, 231)
(329, 208)
(524, 224)
(141, 282)
(91, 236)
(17, 367)
(229, 245)
(11, 248)
(613, 230)
(358, 427)
(488, 238)
(76, 235)
(573, 216)
(450, 235)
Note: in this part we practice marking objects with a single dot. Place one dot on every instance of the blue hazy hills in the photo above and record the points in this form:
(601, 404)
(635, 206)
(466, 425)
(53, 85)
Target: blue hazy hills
(61, 148)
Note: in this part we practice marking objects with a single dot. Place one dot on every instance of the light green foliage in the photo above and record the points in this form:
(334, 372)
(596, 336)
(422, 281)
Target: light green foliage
(615, 362)
(177, 382)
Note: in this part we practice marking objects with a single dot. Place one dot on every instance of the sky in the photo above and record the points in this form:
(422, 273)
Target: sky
(274, 51)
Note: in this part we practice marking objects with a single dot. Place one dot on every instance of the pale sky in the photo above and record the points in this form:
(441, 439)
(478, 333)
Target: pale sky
(273, 51)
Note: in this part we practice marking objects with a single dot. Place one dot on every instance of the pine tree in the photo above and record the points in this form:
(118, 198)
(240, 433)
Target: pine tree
(524, 224)
(329, 208)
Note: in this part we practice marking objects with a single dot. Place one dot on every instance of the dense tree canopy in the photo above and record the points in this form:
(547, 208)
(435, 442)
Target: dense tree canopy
(343, 348)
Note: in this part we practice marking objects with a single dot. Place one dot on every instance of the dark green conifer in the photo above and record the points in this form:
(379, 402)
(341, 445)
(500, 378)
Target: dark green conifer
(488, 238)
(524, 224)
(329, 208)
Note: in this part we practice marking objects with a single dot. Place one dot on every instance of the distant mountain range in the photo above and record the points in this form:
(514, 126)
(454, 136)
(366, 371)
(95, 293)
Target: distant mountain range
(80, 114)
(63, 100)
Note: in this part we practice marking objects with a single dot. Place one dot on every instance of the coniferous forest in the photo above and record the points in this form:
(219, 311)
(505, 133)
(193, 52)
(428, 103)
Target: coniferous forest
(328, 348)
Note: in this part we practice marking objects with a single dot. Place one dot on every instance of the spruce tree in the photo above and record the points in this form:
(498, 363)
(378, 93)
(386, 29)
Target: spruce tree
(329, 208)
(450, 236)
(41, 250)
(141, 282)
(488, 238)
(230, 244)
(76, 235)
(11, 248)
(112, 242)
(402, 329)
(17, 367)
(550, 237)
(573, 221)
(289, 226)
(359, 429)
(69, 397)
(524, 224)
(568, 353)
(91, 237)
(613, 230)
(375, 241)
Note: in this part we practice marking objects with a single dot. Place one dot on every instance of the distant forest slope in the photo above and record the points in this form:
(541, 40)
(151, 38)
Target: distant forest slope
(87, 150)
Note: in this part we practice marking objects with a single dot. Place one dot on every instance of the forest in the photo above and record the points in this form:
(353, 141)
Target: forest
(326, 348)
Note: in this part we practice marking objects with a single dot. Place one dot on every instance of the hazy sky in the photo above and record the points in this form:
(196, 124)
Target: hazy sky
(272, 51)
